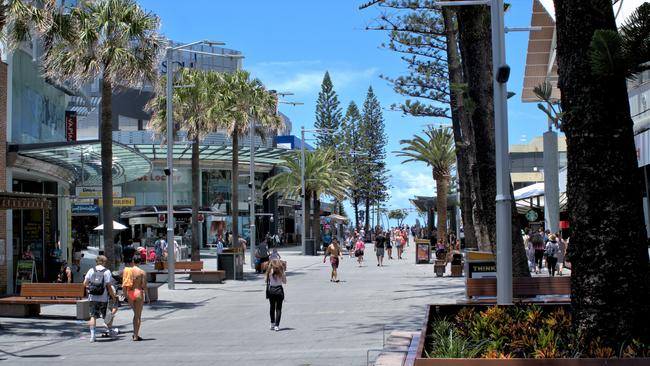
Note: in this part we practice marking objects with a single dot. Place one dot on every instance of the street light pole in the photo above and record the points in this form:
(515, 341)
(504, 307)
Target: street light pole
(302, 184)
(171, 253)
(500, 72)
(251, 185)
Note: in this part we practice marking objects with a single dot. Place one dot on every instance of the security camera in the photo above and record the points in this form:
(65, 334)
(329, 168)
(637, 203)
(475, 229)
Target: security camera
(167, 171)
(503, 74)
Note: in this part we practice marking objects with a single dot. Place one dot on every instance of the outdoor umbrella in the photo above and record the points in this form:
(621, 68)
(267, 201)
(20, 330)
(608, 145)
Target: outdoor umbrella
(116, 226)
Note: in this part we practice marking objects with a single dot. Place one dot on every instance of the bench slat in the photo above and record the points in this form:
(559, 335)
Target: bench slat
(187, 266)
(53, 290)
(521, 286)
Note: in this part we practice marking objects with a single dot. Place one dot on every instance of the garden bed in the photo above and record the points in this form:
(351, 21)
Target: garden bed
(544, 349)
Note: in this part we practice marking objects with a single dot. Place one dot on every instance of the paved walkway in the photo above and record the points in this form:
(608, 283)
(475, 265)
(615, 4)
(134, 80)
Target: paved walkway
(323, 323)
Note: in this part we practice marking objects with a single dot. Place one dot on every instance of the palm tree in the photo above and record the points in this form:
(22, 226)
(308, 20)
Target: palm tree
(323, 176)
(112, 39)
(191, 105)
(437, 150)
(243, 99)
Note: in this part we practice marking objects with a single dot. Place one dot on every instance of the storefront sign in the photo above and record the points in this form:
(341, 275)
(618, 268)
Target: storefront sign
(121, 202)
(71, 125)
(479, 269)
(25, 203)
(422, 253)
(95, 191)
(532, 215)
(24, 272)
(85, 210)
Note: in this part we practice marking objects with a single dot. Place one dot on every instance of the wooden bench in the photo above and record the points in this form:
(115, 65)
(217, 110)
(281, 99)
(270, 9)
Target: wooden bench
(32, 295)
(195, 270)
(524, 289)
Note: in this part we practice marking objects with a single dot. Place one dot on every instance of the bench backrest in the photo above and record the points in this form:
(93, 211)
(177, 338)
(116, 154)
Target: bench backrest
(521, 286)
(53, 290)
(187, 266)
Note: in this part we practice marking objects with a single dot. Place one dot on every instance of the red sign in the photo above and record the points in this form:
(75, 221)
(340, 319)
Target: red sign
(564, 224)
(71, 126)
(200, 217)
(162, 218)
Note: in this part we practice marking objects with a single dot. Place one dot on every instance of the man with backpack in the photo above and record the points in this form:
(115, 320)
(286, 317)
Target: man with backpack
(98, 282)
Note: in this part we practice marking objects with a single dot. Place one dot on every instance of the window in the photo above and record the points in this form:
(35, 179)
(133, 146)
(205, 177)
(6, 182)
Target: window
(127, 123)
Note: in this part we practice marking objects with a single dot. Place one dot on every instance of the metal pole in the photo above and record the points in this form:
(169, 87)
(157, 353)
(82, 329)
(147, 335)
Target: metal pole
(170, 176)
(503, 198)
(302, 184)
(251, 184)
(551, 186)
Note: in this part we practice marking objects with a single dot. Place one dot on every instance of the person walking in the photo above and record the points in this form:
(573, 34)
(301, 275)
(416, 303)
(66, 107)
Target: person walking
(551, 253)
(334, 252)
(538, 247)
(359, 248)
(380, 243)
(98, 282)
(390, 239)
(76, 253)
(134, 284)
(275, 278)
(113, 306)
(560, 253)
(398, 242)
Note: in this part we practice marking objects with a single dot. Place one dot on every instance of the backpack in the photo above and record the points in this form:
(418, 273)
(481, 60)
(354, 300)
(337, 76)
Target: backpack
(96, 284)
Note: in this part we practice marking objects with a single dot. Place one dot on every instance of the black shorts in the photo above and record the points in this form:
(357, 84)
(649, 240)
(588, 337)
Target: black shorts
(98, 309)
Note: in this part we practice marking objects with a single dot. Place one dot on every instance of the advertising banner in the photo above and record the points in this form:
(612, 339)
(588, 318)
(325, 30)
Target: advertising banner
(71, 125)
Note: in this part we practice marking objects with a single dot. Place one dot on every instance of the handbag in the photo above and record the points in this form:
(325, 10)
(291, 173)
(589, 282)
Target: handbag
(276, 291)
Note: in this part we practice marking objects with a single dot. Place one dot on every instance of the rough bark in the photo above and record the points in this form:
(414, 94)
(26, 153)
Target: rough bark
(608, 250)
(442, 186)
(367, 215)
(234, 193)
(106, 138)
(460, 124)
(476, 49)
(355, 204)
(475, 41)
(196, 249)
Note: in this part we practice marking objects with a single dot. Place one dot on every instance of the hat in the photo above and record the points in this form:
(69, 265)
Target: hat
(552, 237)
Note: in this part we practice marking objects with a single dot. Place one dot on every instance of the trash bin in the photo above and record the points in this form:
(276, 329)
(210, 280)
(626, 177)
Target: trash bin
(310, 247)
(233, 264)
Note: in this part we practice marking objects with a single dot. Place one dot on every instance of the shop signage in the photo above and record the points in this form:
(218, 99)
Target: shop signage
(162, 218)
(422, 253)
(532, 215)
(95, 191)
(121, 202)
(25, 203)
(479, 269)
(25, 270)
(71, 125)
(85, 209)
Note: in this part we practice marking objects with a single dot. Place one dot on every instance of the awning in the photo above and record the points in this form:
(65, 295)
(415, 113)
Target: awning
(338, 218)
(212, 153)
(83, 160)
(541, 63)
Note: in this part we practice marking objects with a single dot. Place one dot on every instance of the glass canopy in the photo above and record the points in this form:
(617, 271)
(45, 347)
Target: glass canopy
(84, 160)
(263, 155)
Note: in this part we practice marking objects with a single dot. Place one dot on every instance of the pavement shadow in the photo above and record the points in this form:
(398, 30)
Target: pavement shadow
(40, 329)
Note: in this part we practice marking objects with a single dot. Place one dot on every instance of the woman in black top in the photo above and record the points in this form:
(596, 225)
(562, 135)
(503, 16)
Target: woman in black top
(380, 243)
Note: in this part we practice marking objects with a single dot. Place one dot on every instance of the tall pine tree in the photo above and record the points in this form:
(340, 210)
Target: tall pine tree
(353, 154)
(374, 189)
(328, 114)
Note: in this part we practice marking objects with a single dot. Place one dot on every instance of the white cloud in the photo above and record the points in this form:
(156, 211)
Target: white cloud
(306, 76)
(409, 181)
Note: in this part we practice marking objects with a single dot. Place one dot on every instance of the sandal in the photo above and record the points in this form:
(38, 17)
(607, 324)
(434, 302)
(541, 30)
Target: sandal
(136, 338)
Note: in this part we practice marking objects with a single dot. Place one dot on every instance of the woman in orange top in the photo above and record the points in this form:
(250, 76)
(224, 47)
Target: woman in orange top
(134, 283)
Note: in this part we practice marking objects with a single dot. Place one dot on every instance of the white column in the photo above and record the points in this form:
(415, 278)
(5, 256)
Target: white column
(551, 185)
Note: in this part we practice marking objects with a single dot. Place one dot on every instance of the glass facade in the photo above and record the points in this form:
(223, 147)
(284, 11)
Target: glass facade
(38, 108)
(151, 189)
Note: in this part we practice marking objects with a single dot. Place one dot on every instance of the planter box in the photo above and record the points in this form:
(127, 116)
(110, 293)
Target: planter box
(437, 311)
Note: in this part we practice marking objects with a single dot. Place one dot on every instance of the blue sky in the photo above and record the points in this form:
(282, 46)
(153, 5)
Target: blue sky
(289, 44)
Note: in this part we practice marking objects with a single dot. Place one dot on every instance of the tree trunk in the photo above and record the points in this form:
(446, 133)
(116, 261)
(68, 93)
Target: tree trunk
(476, 46)
(355, 204)
(196, 249)
(608, 251)
(106, 137)
(234, 193)
(442, 186)
(367, 215)
(460, 123)
(316, 224)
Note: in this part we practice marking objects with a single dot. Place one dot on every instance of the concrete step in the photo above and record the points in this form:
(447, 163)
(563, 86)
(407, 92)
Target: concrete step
(396, 349)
